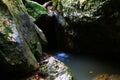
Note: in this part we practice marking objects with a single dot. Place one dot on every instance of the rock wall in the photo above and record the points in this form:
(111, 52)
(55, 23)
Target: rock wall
(93, 25)
(18, 41)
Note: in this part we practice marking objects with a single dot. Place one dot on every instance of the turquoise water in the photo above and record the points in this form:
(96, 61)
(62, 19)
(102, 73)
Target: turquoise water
(85, 67)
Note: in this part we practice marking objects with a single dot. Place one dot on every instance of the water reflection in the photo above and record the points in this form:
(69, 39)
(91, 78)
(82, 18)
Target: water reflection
(85, 67)
(61, 56)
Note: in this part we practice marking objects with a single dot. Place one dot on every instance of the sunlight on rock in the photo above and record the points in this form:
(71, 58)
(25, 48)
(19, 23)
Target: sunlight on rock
(81, 1)
(55, 70)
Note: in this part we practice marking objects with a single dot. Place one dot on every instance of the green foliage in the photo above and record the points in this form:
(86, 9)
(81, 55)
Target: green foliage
(35, 9)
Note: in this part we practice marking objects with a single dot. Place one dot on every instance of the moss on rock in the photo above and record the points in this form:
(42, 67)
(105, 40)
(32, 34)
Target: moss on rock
(35, 9)
(78, 10)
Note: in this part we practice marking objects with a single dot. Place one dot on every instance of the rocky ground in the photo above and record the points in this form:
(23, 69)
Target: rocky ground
(51, 69)
(107, 77)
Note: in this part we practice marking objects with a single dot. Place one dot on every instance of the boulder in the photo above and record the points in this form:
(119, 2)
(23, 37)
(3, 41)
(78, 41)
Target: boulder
(79, 10)
(54, 69)
(18, 41)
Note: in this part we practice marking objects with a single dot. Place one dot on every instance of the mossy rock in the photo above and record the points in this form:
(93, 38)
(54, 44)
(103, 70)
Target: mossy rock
(79, 10)
(35, 9)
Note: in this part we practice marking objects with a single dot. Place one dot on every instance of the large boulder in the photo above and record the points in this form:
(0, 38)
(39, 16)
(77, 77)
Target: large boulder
(79, 10)
(54, 69)
(18, 41)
